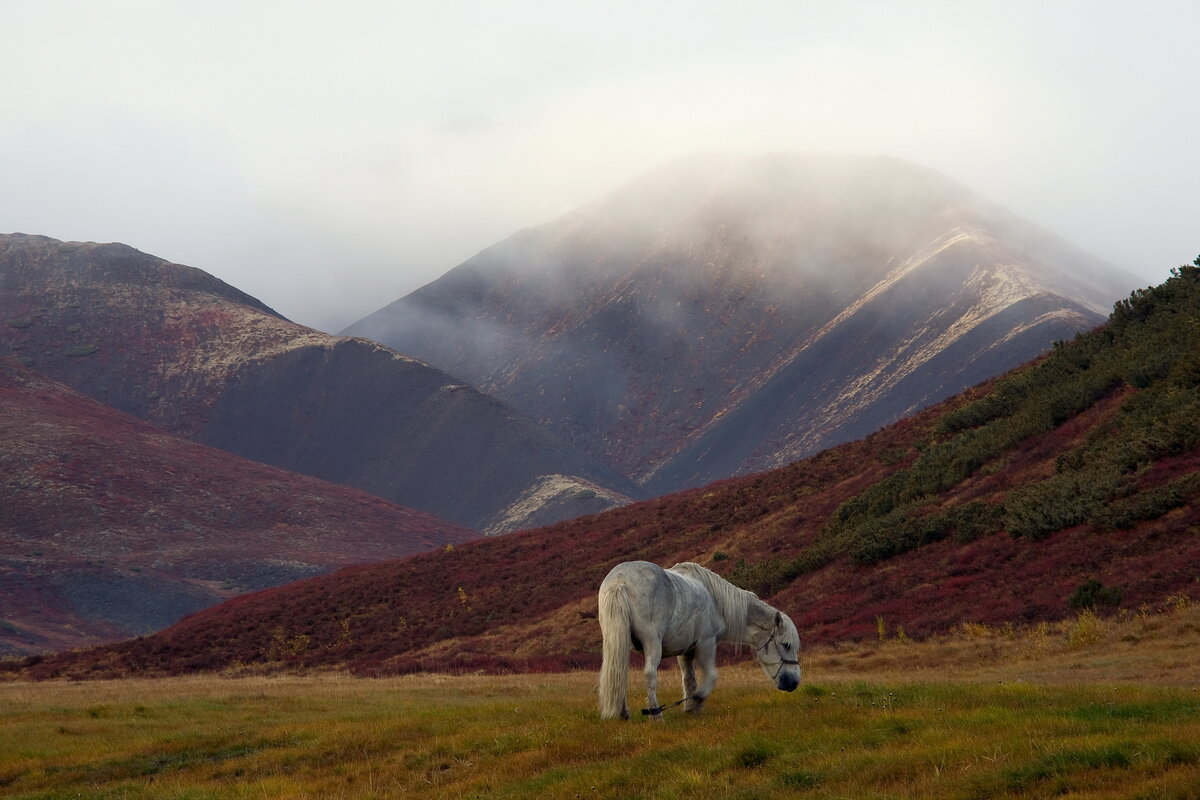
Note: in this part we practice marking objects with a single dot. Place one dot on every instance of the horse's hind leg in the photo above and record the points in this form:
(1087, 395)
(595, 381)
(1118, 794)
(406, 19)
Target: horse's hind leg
(653, 653)
(687, 671)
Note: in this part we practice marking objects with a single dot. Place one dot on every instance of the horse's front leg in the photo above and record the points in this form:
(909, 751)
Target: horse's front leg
(705, 655)
(687, 664)
(653, 653)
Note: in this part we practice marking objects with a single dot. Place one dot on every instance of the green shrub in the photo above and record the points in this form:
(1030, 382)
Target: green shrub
(1061, 501)
(1150, 344)
(1148, 504)
(1092, 594)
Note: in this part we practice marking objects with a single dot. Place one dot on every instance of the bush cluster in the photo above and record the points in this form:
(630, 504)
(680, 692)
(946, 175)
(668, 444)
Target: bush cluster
(1150, 349)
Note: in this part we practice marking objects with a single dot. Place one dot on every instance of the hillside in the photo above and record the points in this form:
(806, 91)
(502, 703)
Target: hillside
(110, 527)
(722, 315)
(176, 347)
(1073, 481)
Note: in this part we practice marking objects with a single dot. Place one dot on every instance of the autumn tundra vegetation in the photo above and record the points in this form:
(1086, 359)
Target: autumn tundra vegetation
(1071, 479)
(996, 598)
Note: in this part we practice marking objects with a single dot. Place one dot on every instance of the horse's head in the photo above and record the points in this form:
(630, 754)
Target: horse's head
(777, 649)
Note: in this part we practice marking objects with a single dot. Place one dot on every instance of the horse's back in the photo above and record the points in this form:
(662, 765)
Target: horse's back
(649, 589)
(647, 579)
(631, 572)
(669, 605)
(634, 568)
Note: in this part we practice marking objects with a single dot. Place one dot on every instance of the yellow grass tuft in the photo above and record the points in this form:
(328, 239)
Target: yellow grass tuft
(1142, 647)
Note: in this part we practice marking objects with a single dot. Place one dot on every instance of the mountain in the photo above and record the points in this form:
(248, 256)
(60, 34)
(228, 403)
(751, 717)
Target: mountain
(177, 347)
(110, 527)
(1071, 482)
(725, 315)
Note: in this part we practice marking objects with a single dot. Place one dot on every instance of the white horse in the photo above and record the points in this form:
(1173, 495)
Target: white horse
(684, 611)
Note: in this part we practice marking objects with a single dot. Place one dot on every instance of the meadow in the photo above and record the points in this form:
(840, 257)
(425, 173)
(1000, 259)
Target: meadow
(1088, 708)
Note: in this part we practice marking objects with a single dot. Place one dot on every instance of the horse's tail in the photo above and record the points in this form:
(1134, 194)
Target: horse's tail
(618, 643)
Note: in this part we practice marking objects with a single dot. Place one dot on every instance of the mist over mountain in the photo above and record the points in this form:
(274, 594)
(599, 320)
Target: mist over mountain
(723, 315)
(196, 357)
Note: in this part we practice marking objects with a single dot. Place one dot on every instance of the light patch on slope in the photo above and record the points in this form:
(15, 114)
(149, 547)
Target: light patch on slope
(914, 262)
(911, 264)
(897, 274)
(1065, 314)
(562, 491)
(395, 354)
(241, 335)
(245, 335)
(997, 289)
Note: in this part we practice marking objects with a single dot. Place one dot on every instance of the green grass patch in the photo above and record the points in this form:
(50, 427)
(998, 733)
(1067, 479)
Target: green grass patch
(540, 736)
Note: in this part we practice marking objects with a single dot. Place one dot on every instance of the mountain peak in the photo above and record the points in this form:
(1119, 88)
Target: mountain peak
(28, 257)
(643, 324)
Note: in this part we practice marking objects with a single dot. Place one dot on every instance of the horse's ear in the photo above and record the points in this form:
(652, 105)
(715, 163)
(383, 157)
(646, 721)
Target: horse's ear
(778, 618)
(759, 615)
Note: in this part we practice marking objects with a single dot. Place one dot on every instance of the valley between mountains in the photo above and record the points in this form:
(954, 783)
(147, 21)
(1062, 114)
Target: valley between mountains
(793, 356)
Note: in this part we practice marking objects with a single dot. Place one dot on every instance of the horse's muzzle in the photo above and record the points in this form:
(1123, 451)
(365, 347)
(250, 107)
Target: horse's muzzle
(787, 683)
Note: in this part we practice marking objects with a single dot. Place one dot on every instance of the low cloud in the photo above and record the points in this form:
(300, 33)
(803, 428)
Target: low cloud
(329, 161)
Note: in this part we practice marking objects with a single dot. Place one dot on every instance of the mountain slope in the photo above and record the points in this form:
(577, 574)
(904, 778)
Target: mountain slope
(1072, 481)
(178, 348)
(724, 315)
(110, 527)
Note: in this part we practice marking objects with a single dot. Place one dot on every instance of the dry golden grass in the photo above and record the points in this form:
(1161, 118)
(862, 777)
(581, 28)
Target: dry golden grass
(1145, 647)
(1089, 708)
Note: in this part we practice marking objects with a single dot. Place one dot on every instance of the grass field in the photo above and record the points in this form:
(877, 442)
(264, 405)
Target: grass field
(986, 713)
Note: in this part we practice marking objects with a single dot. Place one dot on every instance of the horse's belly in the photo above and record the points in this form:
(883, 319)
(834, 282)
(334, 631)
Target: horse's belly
(678, 646)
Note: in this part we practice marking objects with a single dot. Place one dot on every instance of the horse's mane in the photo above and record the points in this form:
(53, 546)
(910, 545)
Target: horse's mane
(732, 601)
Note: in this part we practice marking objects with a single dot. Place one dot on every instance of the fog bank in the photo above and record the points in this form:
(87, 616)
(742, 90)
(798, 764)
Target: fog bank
(331, 159)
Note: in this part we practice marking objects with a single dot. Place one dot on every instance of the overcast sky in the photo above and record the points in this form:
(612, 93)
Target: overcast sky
(329, 158)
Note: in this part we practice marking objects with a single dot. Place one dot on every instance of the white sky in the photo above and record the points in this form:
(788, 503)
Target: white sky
(329, 158)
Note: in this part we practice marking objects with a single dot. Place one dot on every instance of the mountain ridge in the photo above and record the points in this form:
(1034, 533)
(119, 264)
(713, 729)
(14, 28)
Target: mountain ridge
(634, 326)
(184, 351)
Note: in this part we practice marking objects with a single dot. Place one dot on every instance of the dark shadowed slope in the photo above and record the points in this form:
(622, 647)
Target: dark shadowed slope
(110, 527)
(723, 315)
(1073, 481)
(176, 347)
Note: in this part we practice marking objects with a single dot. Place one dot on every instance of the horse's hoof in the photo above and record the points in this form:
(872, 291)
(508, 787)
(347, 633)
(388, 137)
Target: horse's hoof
(624, 713)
